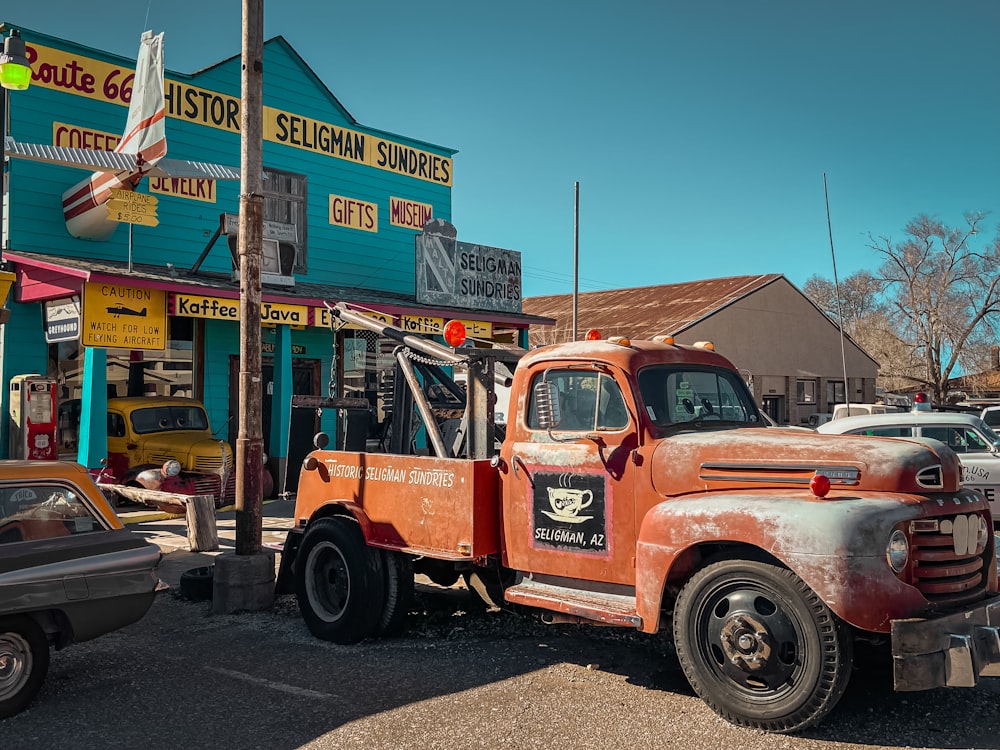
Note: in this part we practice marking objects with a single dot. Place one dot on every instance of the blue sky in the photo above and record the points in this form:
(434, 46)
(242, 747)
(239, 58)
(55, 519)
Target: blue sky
(699, 131)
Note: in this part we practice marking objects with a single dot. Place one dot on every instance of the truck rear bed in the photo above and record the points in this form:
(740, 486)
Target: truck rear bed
(444, 508)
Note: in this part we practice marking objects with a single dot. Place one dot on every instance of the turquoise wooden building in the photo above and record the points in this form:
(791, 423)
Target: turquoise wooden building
(344, 204)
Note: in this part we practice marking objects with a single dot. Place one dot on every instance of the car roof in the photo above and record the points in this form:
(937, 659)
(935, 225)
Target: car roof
(139, 402)
(846, 424)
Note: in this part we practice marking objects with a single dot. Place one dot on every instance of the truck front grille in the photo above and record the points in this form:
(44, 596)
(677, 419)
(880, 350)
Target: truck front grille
(947, 569)
(208, 484)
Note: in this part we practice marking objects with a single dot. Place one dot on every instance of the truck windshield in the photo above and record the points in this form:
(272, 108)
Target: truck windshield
(163, 418)
(678, 395)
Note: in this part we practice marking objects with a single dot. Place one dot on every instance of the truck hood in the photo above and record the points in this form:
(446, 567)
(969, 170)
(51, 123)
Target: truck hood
(774, 457)
(193, 451)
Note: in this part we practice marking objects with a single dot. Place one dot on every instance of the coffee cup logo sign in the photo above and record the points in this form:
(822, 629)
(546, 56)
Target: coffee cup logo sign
(570, 513)
(567, 503)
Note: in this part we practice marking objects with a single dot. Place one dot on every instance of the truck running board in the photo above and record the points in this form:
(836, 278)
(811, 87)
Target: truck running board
(573, 604)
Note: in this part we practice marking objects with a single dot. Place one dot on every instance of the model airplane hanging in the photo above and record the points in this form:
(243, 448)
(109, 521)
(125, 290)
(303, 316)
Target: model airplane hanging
(140, 152)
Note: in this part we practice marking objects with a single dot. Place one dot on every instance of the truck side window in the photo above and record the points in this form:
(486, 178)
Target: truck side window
(116, 425)
(611, 413)
(577, 394)
(587, 401)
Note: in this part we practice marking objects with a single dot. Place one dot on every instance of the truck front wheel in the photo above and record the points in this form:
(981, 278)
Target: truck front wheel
(760, 647)
(340, 583)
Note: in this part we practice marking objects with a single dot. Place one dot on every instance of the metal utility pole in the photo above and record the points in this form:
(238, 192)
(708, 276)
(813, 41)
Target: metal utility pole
(576, 255)
(250, 440)
(840, 309)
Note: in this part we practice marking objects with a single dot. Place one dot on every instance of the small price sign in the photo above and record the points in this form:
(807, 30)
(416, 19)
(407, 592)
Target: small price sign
(132, 208)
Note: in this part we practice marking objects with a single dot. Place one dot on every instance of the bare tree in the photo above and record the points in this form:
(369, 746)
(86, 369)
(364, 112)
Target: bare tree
(942, 295)
(867, 322)
(859, 298)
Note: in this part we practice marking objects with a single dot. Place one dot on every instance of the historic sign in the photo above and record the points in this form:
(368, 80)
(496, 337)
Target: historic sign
(459, 274)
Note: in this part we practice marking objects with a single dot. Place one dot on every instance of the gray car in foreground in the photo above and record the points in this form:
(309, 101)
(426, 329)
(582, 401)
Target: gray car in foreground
(69, 571)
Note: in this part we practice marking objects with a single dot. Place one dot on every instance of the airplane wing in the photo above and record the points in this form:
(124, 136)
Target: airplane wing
(183, 168)
(81, 158)
(113, 161)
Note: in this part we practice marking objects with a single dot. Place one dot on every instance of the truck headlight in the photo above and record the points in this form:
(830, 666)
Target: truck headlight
(897, 551)
(983, 536)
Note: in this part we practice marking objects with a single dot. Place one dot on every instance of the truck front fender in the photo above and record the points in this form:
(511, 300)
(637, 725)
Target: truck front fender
(836, 546)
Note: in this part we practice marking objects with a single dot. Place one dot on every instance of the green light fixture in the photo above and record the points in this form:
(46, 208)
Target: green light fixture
(15, 69)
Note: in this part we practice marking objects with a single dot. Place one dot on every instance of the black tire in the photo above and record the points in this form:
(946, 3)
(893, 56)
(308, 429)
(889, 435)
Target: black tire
(197, 584)
(339, 581)
(760, 647)
(24, 662)
(398, 569)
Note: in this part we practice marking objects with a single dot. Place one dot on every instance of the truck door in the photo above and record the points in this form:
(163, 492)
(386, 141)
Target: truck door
(568, 491)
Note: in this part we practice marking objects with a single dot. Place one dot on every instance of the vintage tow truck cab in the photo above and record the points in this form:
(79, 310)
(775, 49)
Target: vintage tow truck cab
(636, 485)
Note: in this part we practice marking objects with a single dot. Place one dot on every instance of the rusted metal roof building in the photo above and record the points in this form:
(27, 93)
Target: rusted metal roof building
(788, 350)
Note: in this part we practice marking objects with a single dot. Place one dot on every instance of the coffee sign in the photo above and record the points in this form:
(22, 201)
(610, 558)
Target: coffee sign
(569, 513)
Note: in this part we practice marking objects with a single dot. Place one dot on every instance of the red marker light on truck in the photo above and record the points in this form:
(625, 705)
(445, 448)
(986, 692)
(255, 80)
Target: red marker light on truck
(820, 485)
(593, 335)
(455, 333)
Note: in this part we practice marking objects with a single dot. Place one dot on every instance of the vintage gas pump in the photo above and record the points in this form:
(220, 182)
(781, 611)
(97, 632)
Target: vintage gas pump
(32, 407)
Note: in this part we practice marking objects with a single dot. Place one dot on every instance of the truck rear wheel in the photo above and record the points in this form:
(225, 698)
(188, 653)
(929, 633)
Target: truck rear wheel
(760, 647)
(340, 581)
(398, 592)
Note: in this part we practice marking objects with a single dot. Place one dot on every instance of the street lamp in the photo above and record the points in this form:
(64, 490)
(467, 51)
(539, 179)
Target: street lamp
(15, 69)
(15, 74)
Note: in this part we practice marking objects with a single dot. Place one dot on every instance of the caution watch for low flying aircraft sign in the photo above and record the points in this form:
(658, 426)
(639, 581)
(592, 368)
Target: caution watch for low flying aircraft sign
(132, 208)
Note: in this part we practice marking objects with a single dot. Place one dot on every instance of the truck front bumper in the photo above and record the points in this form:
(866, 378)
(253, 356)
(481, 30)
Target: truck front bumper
(952, 650)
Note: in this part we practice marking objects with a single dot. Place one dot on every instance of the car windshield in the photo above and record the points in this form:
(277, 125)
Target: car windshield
(681, 395)
(990, 433)
(164, 418)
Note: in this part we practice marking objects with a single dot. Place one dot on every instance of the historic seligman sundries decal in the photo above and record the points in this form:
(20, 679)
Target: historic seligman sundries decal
(570, 513)
(407, 475)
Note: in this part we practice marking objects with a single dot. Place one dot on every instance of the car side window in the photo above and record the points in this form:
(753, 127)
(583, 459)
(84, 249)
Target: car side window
(887, 431)
(975, 442)
(953, 437)
(40, 510)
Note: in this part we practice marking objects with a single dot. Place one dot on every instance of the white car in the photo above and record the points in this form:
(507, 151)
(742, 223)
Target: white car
(991, 415)
(975, 442)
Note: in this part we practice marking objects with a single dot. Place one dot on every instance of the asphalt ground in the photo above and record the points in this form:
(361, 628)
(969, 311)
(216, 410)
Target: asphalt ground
(459, 676)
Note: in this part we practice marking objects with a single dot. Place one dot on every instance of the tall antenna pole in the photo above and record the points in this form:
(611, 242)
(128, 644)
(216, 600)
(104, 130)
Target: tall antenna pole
(840, 310)
(576, 255)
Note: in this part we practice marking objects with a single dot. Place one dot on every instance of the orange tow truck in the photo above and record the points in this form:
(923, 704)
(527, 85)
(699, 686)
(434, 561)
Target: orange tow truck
(636, 485)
